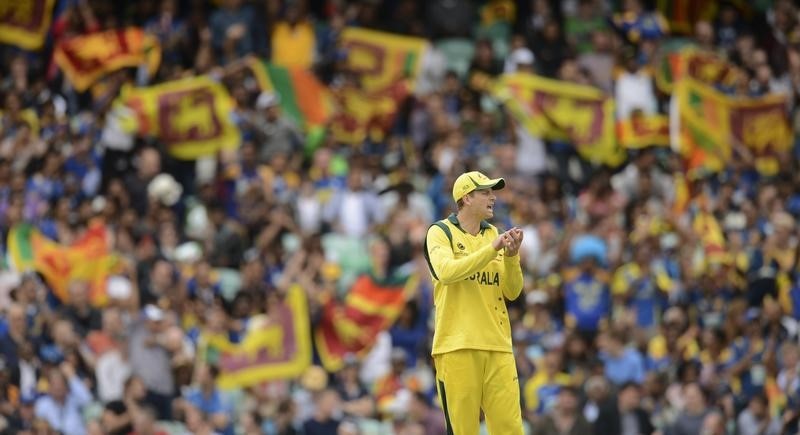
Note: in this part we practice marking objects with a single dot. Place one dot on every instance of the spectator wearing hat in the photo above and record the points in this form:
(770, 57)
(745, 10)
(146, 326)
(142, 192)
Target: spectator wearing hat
(273, 132)
(521, 60)
(586, 292)
(638, 286)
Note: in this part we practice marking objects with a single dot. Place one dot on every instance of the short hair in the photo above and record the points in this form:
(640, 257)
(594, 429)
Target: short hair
(460, 202)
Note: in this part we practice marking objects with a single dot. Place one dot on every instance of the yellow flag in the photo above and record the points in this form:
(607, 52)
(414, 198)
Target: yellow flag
(191, 116)
(25, 23)
(581, 115)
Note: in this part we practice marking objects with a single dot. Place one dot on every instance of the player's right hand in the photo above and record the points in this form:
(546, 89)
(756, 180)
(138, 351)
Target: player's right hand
(503, 241)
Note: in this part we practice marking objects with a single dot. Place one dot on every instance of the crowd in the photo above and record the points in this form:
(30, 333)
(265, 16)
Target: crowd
(628, 323)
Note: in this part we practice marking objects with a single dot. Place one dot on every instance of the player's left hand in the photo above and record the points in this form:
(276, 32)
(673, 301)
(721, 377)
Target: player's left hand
(513, 245)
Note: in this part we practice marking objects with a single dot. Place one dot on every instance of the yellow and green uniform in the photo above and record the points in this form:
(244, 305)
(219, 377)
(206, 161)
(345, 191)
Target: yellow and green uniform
(472, 352)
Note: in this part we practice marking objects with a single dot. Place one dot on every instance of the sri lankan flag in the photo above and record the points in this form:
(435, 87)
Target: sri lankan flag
(361, 115)
(709, 68)
(371, 306)
(381, 59)
(25, 23)
(669, 67)
(641, 131)
(559, 110)
(710, 124)
(701, 128)
(191, 116)
(276, 345)
(87, 259)
(302, 97)
(387, 67)
(86, 58)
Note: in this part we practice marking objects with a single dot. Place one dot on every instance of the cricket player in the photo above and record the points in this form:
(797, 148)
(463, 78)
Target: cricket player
(474, 269)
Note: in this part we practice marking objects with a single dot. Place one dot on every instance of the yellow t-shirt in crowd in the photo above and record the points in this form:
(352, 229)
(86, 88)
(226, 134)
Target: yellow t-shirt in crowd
(293, 46)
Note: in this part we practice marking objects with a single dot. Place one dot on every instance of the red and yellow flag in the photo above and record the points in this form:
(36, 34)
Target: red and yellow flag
(86, 58)
(87, 259)
(276, 345)
(711, 124)
(387, 66)
(703, 66)
(25, 23)
(191, 116)
(370, 307)
(381, 59)
(552, 109)
(641, 131)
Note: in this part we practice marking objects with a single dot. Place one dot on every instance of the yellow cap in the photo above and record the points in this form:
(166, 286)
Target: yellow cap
(469, 181)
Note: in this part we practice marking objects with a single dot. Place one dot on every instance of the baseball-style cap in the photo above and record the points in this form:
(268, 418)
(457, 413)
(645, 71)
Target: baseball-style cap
(469, 181)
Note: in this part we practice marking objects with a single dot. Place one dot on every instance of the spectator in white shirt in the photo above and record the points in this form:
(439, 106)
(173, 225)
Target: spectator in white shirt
(356, 210)
(634, 89)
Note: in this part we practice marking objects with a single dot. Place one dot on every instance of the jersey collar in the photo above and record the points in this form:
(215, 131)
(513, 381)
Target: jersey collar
(454, 220)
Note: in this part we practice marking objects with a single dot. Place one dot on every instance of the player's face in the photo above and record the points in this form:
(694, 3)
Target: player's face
(483, 203)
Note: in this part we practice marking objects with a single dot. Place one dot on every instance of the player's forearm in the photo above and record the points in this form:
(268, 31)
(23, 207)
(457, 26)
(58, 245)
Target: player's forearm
(451, 270)
(513, 278)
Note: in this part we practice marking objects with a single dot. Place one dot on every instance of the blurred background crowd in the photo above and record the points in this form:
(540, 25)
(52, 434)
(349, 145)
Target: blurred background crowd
(628, 322)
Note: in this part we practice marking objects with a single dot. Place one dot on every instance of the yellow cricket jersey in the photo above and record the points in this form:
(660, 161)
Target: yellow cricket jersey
(470, 281)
